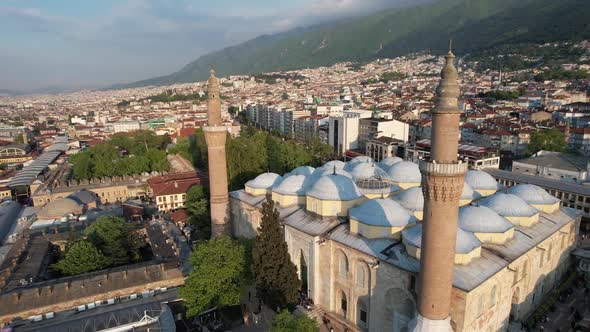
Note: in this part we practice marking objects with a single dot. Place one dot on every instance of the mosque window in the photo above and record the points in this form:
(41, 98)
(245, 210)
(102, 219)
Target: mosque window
(480, 306)
(343, 266)
(360, 275)
(549, 252)
(493, 296)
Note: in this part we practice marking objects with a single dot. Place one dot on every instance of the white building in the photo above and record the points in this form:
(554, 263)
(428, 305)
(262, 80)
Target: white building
(343, 131)
(126, 126)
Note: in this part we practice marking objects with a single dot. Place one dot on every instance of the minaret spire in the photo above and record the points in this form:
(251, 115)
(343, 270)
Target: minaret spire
(442, 185)
(215, 135)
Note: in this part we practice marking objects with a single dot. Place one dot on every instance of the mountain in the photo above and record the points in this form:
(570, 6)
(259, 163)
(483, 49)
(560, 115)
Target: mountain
(473, 25)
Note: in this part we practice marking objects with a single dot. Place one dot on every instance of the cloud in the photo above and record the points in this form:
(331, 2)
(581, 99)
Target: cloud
(137, 39)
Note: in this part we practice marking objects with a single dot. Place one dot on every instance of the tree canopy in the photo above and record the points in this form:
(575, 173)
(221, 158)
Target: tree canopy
(286, 322)
(81, 257)
(275, 276)
(219, 270)
(122, 155)
(197, 203)
(115, 239)
(548, 139)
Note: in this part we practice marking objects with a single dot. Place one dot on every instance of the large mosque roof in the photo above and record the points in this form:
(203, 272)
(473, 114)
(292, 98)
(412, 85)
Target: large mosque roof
(532, 194)
(466, 241)
(411, 199)
(405, 172)
(508, 205)
(480, 180)
(334, 187)
(301, 170)
(389, 161)
(382, 212)
(264, 181)
(469, 193)
(481, 219)
(59, 208)
(291, 185)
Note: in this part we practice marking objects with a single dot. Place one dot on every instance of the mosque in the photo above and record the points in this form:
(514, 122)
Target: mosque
(399, 246)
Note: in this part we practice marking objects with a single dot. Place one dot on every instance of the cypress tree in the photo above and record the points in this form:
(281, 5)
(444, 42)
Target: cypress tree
(275, 275)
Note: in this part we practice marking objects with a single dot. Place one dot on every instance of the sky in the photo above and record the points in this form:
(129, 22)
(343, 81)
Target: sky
(96, 43)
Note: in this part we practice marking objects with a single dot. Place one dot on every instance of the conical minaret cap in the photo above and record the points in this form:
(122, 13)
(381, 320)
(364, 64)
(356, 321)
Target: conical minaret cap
(447, 91)
(213, 85)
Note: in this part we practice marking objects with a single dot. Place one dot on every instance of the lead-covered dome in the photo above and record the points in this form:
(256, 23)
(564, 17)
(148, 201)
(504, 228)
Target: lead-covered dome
(334, 187)
(330, 164)
(481, 219)
(532, 194)
(468, 193)
(291, 185)
(405, 172)
(466, 243)
(264, 181)
(389, 161)
(383, 213)
(301, 170)
(59, 208)
(411, 199)
(83, 197)
(365, 171)
(480, 180)
(508, 205)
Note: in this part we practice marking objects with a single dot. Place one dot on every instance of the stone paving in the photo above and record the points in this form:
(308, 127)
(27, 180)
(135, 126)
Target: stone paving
(561, 319)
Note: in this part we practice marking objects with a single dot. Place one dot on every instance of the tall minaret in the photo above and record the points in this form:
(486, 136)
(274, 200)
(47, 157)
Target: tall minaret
(215, 135)
(442, 184)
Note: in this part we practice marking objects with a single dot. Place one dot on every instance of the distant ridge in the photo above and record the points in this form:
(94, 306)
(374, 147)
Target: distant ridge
(473, 24)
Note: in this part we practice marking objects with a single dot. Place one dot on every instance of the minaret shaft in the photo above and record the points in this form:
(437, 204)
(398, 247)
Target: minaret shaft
(215, 135)
(442, 185)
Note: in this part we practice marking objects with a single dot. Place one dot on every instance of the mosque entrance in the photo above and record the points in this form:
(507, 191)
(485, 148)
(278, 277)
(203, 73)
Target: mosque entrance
(303, 274)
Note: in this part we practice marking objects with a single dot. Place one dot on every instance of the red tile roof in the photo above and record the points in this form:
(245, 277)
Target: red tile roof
(178, 183)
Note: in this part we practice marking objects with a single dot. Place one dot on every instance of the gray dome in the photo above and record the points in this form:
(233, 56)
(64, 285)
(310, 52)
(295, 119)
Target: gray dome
(382, 212)
(291, 185)
(405, 172)
(264, 181)
(480, 219)
(83, 196)
(330, 165)
(59, 208)
(389, 161)
(301, 170)
(466, 241)
(469, 193)
(411, 199)
(358, 160)
(365, 171)
(508, 205)
(532, 194)
(335, 188)
(480, 180)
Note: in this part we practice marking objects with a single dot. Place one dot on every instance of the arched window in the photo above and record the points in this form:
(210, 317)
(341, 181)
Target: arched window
(343, 304)
(343, 266)
(480, 306)
(549, 251)
(493, 296)
(363, 316)
(360, 275)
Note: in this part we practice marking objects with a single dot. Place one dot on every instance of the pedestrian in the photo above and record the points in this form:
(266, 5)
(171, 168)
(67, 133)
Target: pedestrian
(542, 328)
(249, 296)
(331, 329)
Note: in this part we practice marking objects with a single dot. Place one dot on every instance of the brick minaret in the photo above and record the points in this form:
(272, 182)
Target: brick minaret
(442, 184)
(215, 135)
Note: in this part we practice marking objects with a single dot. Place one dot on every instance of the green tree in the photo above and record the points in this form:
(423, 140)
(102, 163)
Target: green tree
(285, 96)
(82, 257)
(275, 276)
(115, 239)
(219, 269)
(548, 139)
(197, 203)
(286, 322)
